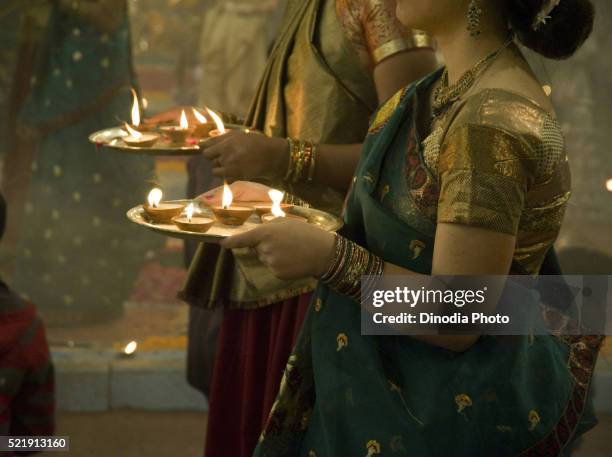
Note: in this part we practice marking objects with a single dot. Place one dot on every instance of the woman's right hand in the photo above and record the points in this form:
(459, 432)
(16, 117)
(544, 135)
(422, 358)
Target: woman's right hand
(242, 191)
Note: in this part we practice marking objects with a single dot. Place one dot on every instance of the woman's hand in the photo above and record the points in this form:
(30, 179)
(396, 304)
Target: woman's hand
(290, 249)
(246, 155)
(242, 191)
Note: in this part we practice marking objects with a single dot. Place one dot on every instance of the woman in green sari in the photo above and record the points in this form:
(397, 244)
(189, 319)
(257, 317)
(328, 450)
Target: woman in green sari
(480, 190)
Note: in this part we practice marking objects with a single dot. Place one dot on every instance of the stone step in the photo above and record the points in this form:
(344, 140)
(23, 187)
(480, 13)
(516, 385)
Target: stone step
(101, 380)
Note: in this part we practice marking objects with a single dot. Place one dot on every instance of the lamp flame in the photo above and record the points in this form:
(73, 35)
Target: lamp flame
(155, 197)
(133, 133)
(228, 197)
(135, 110)
(277, 197)
(189, 211)
(184, 124)
(218, 121)
(609, 185)
(199, 116)
(130, 348)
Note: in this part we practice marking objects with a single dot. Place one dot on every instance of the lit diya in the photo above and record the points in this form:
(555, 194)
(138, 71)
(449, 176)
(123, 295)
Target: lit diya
(136, 124)
(202, 128)
(178, 133)
(191, 223)
(276, 208)
(158, 211)
(220, 127)
(266, 208)
(135, 138)
(227, 213)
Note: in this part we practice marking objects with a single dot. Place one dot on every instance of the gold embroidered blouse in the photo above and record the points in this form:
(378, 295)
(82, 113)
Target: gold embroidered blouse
(497, 161)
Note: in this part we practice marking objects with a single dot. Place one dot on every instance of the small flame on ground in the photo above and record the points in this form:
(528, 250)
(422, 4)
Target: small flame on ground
(130, 348)
(277, 197)
(218, 121)
(199, 116)
(547, 89)
(133, 133)
(135, 110)
(184, 124)
(189, 212)
(228, 197)
(155, 197)
(609, 185)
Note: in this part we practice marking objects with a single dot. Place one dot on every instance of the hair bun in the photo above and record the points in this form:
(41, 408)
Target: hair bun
(569, 25)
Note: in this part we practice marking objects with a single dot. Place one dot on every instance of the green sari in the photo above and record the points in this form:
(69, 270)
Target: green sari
(344, 394)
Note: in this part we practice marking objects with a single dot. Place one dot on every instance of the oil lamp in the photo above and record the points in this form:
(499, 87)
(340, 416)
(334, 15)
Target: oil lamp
(220, 127)
(229, 214)
(129, 350)
(158, 211)
(178, 133)
(276, 209)
(191, 223)
(136, 124)
(135, 138)
(203, 127)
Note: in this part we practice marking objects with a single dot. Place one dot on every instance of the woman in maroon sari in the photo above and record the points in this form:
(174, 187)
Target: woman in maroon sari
(330, 66)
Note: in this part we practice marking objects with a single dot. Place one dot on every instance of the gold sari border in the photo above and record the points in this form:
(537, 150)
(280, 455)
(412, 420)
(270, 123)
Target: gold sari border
(418, 40)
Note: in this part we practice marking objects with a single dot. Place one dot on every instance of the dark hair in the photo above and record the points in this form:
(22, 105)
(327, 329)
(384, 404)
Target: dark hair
(569, 25)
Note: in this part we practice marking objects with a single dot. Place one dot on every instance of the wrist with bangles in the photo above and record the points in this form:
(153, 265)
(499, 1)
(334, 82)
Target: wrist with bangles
(302, 160)
(352, 265)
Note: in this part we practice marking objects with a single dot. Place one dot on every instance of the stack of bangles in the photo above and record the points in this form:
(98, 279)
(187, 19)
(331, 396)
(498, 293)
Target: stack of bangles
(353, 264)
(302, 159)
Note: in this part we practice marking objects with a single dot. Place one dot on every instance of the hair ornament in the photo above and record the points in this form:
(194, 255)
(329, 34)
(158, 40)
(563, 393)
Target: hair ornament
(544, 15)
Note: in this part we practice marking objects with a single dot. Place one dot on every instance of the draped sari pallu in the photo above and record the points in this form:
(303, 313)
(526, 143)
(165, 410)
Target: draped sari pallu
(347, 394)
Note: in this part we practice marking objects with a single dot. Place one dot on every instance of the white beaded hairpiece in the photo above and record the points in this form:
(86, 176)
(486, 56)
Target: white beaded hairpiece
(544, 14)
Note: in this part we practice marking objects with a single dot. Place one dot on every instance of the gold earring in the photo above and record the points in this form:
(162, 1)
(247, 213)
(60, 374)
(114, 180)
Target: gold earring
(473, 18)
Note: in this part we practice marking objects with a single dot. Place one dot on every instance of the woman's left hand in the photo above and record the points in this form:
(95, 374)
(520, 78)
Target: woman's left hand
(290, 249)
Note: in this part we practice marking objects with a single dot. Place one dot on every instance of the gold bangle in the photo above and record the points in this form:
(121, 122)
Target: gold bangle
(292, 158)
(418, 40)
(311, 166)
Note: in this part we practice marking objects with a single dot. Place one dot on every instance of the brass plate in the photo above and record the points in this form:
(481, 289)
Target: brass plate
(219, 231)
(112, 138)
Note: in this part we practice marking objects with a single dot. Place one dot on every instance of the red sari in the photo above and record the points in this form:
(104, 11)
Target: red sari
(253, 349)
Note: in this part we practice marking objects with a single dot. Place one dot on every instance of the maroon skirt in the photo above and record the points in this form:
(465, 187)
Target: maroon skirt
(253, 349)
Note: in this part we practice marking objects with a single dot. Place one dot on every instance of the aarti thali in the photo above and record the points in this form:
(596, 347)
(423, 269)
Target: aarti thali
(114, 137)
(219, 230)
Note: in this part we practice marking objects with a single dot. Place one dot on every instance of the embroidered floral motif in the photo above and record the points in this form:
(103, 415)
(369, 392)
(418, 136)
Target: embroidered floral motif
(385, 112)
(384, 192)
(463, 401)
(534, 420)
(416, 247)
(373, 447)
(342, 341)
(318, 304)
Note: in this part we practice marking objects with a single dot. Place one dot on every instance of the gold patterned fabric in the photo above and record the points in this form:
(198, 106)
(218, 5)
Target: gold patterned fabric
(501, 165)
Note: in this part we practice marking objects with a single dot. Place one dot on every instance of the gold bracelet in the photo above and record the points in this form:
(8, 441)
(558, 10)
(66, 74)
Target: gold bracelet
(299, 163)
(293, 155)
(311, 166)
